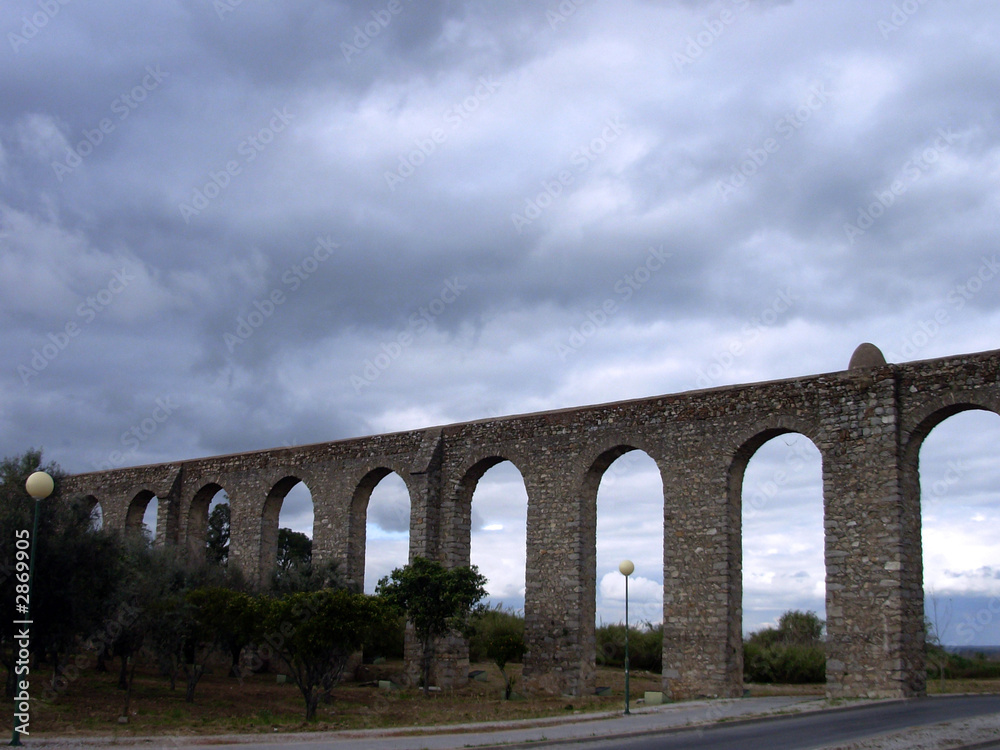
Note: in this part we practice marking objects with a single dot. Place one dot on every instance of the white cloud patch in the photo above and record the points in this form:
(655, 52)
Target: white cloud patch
(40, 137)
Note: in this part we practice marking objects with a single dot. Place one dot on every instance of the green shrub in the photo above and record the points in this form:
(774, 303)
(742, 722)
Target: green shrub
(488, 624)
(386, 641)
(792, 653)
(957, 666)
(786, 664)
(645, 646)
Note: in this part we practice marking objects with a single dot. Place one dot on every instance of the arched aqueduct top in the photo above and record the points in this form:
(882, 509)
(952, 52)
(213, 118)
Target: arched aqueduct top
(867, 422)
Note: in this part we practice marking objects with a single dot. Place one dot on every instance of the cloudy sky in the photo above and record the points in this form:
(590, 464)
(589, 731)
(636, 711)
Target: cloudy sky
(235, 225)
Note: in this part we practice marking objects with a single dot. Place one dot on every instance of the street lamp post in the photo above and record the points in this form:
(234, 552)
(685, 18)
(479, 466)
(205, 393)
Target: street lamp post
(626, 568)
(39, 486)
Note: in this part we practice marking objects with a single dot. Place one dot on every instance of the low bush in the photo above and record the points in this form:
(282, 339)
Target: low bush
(785, 664)
(792, 653)
(645, 646)
(958, 666)
(491, 622)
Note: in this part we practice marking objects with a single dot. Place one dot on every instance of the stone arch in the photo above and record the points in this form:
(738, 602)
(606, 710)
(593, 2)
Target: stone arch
(457, 543)
(934, 413)
(923, 421)
(136, 511)
(745, 442)
(269, 517)
(743, 447)
(628, 525)
(197, 520)
(456, 547)
(357, 532)
(596, 465)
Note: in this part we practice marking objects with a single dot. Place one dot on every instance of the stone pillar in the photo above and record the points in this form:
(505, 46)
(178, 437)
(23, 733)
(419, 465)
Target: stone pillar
(114, 510)
(560, 655)
(331, 523)
(873, 590)
(244, 531)
(450, 665)
(168, 511)
(914, 676)
(167, 519)
(702, 578)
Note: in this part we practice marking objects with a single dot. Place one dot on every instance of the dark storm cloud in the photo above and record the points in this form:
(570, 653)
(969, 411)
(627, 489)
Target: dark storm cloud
(337, 218)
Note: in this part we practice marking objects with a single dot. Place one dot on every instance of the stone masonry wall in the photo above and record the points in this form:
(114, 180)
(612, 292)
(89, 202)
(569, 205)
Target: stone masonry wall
(867, 423)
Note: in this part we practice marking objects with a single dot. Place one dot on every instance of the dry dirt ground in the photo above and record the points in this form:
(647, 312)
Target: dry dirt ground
(92, 703)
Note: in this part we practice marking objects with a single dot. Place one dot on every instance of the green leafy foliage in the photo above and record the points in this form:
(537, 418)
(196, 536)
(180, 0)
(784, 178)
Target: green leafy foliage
(294, 569)
(167, 623)
(77, 567)
(229, 618)
(486, 621)
(217, 538)
(645, 646)
(294, 548)
(497, 635)
(387, 640)
(792, 653)
(943, 664)
(436, 600)
(306, 577)
(314, 634)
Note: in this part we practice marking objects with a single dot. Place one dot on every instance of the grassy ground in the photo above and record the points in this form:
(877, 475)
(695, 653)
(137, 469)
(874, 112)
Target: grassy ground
(92, 703)
(935, 687)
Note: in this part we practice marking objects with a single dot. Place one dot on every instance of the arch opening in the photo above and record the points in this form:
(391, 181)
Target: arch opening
(497, 516)
(780, 482)
(627, 487)
(959, 487)
(208, 525)
(141, 517)
(380, 539)
(286, 531)
(96, 512)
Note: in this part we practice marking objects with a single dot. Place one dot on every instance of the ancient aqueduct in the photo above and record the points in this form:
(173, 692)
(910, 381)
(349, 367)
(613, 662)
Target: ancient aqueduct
(868, 423)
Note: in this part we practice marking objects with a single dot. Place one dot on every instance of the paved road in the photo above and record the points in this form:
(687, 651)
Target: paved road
(814, 730)
(659, 728)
